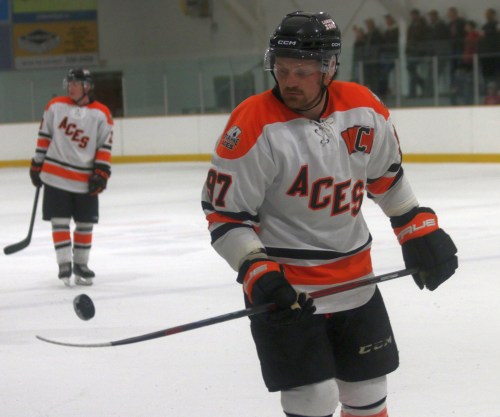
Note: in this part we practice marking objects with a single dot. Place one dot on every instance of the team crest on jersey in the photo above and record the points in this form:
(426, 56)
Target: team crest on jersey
(358, 139)
(231, 138)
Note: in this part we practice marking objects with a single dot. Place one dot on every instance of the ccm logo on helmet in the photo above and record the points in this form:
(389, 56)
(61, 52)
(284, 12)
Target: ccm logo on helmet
(336, 44)
(284, 42)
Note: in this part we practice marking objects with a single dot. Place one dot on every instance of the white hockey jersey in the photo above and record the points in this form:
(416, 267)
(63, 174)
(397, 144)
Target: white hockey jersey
(71, 140)
(295, 187)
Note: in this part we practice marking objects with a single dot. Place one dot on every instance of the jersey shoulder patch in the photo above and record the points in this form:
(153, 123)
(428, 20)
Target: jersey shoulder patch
(247, 122)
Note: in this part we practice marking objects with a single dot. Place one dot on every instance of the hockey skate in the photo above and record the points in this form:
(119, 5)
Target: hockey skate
(65, 273)
(83, 275)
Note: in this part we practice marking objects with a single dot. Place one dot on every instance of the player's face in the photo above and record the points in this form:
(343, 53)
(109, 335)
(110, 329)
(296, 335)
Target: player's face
(299, 81)
(76, 90)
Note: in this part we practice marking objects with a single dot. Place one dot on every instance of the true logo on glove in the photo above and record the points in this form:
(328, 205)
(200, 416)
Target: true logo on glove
(414, 230)
(253, 275)
(256, 270)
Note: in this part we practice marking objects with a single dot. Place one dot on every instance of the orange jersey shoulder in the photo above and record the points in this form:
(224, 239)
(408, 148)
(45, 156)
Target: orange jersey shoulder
(103, 108)
(60, 99)
(249, 119)
(93, 105)
(347, 95)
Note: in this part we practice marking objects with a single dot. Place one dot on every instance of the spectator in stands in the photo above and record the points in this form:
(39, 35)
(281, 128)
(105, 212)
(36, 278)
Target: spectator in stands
(438, 35)
(358, 55)
(464, 75)
(389, 52)
(489, 45)
(492, 94)
(456, 24)
(438, 47)
(470, 44)
(416, 45)
(373, 42)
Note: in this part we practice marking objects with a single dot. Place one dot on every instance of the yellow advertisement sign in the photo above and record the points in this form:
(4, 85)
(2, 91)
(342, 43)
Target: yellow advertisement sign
(37, 6)
(51, 33)
(55, 43)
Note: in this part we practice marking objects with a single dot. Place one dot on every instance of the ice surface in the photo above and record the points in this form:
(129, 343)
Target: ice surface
(156, 269)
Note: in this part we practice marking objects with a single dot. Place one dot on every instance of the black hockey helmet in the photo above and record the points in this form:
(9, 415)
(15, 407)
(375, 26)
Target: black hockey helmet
(305, 36)
(79, 74)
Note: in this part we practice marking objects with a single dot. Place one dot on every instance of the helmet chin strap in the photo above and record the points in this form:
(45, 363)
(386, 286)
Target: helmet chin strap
(80, 99)
(318, 101)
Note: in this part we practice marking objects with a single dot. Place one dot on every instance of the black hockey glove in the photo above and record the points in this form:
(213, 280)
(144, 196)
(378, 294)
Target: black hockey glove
(425, 246)
(98, 180)
(264, 282)
(35, 169)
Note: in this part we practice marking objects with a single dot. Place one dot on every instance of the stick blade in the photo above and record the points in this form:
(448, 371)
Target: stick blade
(82, 345)
(16, 247)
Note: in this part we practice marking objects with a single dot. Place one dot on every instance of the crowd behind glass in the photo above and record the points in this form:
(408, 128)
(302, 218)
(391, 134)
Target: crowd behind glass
(450, 57)
(431, 61)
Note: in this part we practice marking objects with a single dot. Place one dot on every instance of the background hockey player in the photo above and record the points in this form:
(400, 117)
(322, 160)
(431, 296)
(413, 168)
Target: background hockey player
(72, 162)
(283, 201)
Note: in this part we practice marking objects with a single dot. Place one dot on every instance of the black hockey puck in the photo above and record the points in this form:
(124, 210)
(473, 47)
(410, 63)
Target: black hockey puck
(84, 307)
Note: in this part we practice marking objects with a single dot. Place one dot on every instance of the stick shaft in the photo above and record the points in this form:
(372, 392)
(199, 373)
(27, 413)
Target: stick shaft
(367, 281)
(238, 314)
(16, 247)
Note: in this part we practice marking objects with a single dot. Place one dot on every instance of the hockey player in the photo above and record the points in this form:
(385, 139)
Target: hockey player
(72, 162)
(283, 202)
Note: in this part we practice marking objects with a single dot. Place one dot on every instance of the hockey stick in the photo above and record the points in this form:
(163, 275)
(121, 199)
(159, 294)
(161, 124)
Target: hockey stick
(236, 314)
(16, 247)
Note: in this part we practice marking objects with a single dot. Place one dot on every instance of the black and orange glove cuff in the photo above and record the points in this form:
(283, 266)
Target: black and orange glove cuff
(102, 173)
(36, 166)
(253, 270)
(418, 222)
(103, 170)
